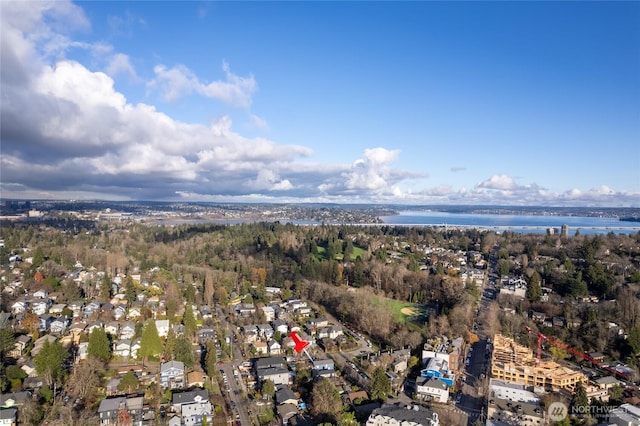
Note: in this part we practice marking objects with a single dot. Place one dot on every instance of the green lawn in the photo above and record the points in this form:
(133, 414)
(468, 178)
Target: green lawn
(322, 253)
(395, 306)
(357, 251)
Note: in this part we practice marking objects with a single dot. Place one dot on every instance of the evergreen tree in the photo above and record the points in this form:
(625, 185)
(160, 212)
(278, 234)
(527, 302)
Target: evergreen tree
(580, 401)
(105, 287)
(210, 358)
(7, 342)
(190, 294)
(183, 351)
(129, 382)
(150, 343)
(380, 386)
(189, 322)
(169, 345)
(130, 291)
(99, 346)
(534, 290)
(49, 362)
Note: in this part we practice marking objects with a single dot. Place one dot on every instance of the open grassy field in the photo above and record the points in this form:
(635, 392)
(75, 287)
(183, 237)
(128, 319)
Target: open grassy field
(322, 253)
(400, 310)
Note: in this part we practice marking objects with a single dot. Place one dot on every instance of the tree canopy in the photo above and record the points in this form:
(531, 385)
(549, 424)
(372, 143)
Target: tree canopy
(189, 321)
(129, 382)
(99, 346)
(326, 404)
(534, 289)
(380, 386)
(183, 351)
(150, 343)
(49, 362)
(7, 340)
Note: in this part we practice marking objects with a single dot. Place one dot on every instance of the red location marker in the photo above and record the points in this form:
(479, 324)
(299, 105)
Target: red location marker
(300, 343)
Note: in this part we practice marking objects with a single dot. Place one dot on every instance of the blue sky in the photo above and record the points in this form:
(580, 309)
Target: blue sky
(517, 103)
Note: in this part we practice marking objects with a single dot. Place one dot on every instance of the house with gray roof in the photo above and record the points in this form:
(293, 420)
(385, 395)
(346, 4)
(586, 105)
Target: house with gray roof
(13, 399)
(8, 416)
(402, 414)
(284, 395)
(178, 399)
(110, 407)
(270, 362)
(172, 374)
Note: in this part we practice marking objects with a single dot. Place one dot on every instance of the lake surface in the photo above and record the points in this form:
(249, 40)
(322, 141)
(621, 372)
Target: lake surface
(515, 223)
(537, 224)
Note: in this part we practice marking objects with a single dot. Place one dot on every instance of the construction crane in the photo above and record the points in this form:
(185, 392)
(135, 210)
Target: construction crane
(574, 351)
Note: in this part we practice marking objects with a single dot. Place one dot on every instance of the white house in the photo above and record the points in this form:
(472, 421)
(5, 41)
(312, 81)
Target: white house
(515, 286)
(432, 389)
(265, 330)
(192, 414)
(91, 309)
(112, 328)
(119, 312)
(281, 326)
(41, 294)
(8, 417)
(134, 313)
(279, 376)
(135, 347)
(40, 307)
(274, 347)
(83, 351)
(94, 325)
(76, 307)
(181, 399)
(332, 332)
(399, 414)
(269, 313)
(127, 331)
(163, 327)
(172, 374)
(19, 307)
(57, 308)
(59, 325)
(122, 348)
(260, 348)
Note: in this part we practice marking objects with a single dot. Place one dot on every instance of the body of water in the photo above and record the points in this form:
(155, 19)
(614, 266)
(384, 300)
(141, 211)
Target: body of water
(514, 223)
(496, 222)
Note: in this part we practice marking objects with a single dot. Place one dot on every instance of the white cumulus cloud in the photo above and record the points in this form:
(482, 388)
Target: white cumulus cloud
(500, 182)
(373, 171)
(179, 81)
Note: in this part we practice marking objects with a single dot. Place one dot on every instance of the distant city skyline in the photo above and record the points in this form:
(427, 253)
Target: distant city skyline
(474, 103)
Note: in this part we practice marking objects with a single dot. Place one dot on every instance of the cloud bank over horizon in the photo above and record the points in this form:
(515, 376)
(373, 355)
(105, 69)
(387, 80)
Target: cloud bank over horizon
(68, 131)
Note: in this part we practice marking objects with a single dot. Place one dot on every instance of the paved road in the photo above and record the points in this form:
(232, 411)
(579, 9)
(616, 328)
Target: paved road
(477, 362)
(235, 393)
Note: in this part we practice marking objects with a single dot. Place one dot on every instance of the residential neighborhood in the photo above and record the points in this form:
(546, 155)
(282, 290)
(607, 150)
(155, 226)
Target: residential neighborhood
(147, 344)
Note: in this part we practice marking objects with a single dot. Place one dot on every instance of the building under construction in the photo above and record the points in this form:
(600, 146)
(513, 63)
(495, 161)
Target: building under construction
(515, 363)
